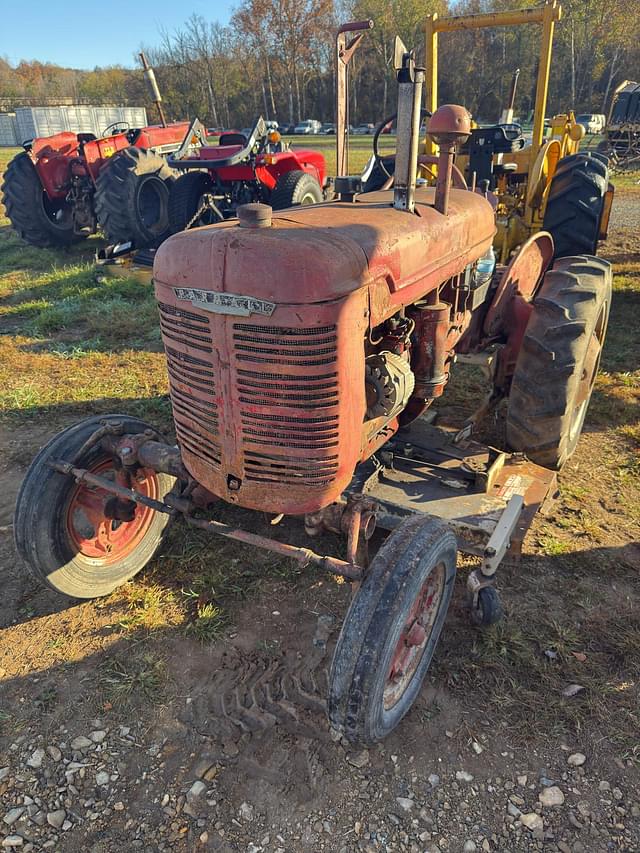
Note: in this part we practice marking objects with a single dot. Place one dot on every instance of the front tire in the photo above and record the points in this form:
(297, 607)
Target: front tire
(558, 361)
(391, 630)
(295, 188)
(132, 197)
(61, 529)
(39, 220)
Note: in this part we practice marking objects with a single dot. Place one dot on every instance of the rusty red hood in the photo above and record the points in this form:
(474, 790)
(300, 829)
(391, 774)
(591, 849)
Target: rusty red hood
(323, 252)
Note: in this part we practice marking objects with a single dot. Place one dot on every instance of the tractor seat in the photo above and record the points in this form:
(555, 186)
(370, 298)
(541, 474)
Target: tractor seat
(504, 168)
(232, 139)
(500, 139)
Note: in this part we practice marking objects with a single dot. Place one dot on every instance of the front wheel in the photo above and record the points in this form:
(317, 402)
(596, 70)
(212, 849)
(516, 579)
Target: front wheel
(64, 530)
(295, 188)
(391, 630)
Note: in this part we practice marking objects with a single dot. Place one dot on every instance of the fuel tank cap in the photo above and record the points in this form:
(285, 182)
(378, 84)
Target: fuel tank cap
(254, 215)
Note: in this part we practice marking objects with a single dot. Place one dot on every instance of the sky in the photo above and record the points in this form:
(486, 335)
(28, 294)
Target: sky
(87, 33)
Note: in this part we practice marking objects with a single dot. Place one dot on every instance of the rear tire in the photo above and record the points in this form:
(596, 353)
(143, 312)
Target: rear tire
(132, 198)
(295, 188)
(558, 360)
(576, 203)
(184, 200)
(37, 219)
(391, 630)
(56, 520)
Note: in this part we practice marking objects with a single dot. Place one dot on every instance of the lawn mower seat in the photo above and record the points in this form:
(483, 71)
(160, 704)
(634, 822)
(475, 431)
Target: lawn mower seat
(232, 139)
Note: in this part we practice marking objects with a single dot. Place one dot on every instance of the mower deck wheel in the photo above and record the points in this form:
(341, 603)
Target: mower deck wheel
(558, 361)
(488, 609)
(132, 197)
(295, 188)
(65, 531)
(391, 630)
(39, 220)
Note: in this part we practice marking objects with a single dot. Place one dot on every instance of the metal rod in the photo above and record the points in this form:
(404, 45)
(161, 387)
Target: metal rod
(153, 86)
(344, 54)
(172, 503)
(497, 19)
(303, 555)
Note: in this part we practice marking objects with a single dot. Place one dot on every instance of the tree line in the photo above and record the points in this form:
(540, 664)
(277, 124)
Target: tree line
(275, 57)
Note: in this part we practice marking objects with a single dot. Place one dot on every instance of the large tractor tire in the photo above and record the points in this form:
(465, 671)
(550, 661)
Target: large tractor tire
(39, 220)
(558, 360)
(185, 199)
(295, 188)
(132, 198)
(576, 203)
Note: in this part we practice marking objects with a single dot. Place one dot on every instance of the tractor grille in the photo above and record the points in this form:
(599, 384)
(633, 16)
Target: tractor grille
(185, 327)
(192, 382)
(288, 393)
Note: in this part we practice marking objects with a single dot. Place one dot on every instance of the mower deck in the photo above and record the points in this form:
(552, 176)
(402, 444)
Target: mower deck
(481, 493)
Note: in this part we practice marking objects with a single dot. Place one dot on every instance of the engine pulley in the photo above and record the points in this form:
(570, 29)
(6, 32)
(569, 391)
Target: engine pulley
(389, 384)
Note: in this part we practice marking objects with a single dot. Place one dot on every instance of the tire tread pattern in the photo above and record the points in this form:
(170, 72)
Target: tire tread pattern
(540, 407)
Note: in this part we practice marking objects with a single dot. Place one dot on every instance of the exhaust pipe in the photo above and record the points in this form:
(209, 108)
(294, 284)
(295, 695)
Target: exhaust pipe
(410, 82)
(156, 97)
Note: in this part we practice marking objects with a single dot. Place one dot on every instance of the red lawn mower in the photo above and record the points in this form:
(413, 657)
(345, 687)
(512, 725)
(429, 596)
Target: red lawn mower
(258, 168)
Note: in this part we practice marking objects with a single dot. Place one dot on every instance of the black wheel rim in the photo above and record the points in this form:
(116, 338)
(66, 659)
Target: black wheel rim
(151, 202)
(57, 211)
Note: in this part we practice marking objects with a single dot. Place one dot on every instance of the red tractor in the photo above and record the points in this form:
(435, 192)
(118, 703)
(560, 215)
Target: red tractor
(240, 170)
(61, 188)
(302, 348)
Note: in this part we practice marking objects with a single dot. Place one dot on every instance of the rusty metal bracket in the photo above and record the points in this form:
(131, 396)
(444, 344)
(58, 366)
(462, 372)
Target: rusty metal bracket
(500, 539)
(344, 54)
(106, 428)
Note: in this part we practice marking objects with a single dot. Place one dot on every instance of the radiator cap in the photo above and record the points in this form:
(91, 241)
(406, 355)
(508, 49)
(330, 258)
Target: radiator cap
(254, 215)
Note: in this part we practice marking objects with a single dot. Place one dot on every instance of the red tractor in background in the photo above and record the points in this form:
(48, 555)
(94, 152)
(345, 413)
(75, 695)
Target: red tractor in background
(61, 188)
(241, 169)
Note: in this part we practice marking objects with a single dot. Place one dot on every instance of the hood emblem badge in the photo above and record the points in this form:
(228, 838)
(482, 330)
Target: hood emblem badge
(225, 303)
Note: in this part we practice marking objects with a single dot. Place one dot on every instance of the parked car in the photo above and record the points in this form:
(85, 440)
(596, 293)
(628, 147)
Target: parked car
(364, 129)
(592, 122)
(308, 126)
(327, 128)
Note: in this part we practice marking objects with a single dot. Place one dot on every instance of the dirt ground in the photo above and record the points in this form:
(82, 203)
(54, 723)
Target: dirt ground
(127, 724)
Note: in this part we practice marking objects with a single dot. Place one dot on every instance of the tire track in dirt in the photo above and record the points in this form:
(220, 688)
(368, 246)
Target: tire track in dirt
(265, 715)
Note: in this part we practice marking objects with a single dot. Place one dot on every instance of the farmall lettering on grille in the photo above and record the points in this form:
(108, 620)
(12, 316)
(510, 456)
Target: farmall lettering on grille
(225, 303)
(303, 349)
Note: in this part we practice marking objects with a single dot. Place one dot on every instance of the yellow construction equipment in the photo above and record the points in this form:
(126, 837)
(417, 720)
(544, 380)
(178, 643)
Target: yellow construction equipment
(539, 185)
